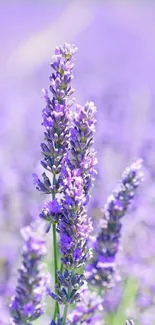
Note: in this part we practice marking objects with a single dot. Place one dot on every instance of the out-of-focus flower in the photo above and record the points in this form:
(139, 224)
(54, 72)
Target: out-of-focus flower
(27, 304)
(102, 270)
(86, 311)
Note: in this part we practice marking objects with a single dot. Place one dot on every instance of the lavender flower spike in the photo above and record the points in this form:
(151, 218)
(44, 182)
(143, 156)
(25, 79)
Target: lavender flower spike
(73, 227)
(86, 310)
(56, 120)
(102, 271)
(83, 154)
(74, 230)
(27, 303)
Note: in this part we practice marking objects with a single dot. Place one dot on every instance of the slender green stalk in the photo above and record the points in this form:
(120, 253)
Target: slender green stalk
(66, 305)
(65, 315)
(56, 309)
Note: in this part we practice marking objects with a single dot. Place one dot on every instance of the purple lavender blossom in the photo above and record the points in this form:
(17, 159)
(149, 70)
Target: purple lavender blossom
(51, 212)
(82, 140)
(102, 270)
(71, 177)
(73, 226)
(56, 119)
(27, 303)
(86, 310)
(74, 230)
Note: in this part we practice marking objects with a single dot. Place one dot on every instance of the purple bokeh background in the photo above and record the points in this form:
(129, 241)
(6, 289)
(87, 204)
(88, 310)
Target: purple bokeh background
(115, 67)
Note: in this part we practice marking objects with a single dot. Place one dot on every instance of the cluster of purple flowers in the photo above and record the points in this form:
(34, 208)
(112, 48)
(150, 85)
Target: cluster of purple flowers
(69, 160)
(27, 303)
(74, 230)
(86, 310)
(83, 154)
(56, 120)
(73, 172)
(102, 271)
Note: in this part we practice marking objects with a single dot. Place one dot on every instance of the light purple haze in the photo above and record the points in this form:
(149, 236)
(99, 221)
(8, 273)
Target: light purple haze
(115, 67)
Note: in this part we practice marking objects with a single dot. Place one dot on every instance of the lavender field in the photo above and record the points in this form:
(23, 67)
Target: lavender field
(114, 68)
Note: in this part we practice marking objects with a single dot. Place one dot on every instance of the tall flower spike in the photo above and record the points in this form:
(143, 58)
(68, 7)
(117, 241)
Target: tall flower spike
(86, 310)
(73, 228)
(27, 304)
(74, 231)
(102, 270)
(83, 154)
(56, 118)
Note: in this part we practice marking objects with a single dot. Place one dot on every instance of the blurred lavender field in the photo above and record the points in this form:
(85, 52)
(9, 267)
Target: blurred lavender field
(114, 68)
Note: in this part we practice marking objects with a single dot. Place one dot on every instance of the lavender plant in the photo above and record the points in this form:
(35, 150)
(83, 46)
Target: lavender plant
(74, 230)
(69, 156)
(102, 271)
(86, 310)
(27, 303)
(56, 117)
(69, 161)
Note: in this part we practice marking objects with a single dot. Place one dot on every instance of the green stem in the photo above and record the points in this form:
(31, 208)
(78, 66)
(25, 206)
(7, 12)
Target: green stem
(55, 253)
(100, 291)
(66, 305)
(65, 315)
(56, 310)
